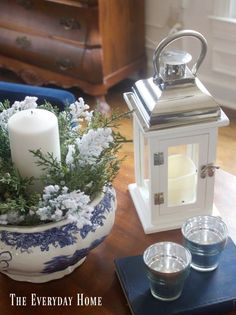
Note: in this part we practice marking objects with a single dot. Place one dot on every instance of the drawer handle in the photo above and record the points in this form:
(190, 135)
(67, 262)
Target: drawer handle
(70, 23)
(64, 64)
(23, 42)
(27, 4)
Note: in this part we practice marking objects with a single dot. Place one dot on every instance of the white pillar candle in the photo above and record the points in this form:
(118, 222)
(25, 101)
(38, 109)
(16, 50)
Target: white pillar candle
(32, 129)
(182, 180)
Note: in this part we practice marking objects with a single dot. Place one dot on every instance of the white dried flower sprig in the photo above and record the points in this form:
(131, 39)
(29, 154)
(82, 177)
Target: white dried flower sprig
(93, 143)
(11, 217)
(70, 155)
(27, 103)
(90, 146)
(79, 112)
(57, 203)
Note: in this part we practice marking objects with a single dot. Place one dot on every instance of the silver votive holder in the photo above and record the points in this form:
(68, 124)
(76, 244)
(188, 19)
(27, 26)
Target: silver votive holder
(205, 237)
(168, 265)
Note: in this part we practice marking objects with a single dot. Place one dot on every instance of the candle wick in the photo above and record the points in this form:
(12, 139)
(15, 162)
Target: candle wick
(32, 112)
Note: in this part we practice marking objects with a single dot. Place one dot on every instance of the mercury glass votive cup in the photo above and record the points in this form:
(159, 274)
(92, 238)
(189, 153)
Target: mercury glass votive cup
(205, 237)
(168, 265)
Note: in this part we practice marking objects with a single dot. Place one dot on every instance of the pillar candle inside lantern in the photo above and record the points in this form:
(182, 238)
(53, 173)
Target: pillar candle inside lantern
(182, 180)
(33, 129)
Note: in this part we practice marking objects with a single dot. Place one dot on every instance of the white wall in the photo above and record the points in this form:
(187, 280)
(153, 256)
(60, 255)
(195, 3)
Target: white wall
(218, 71)
(161, 16)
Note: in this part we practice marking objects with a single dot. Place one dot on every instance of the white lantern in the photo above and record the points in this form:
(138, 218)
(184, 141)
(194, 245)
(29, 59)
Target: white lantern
(176, 124)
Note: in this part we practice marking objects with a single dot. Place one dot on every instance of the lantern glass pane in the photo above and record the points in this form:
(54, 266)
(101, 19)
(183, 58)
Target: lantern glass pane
(182, 174)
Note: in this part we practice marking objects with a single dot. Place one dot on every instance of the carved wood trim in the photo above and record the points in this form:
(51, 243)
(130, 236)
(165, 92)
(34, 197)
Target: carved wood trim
(38, 76)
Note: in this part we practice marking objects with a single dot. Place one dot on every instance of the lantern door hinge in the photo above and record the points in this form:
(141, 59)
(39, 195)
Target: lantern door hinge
(158, 158)
(159, 198)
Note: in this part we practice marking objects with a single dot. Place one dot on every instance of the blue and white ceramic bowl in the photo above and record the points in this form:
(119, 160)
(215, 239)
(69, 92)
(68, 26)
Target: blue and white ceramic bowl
(51, 251)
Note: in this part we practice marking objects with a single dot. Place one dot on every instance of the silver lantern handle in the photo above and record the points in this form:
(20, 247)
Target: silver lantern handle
(168, 40)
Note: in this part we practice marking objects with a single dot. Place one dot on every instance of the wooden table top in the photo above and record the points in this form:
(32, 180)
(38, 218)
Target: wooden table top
(96, 277)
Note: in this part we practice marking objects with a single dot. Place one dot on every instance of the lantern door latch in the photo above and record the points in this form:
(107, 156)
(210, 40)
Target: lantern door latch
(158, 158)
(158, 198)
(208, 170)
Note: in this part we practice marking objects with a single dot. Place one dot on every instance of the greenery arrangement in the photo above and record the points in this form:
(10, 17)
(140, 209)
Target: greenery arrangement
(89, 144)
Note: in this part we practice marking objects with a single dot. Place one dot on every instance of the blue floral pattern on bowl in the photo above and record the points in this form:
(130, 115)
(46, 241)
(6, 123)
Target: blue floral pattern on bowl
(62, 236)
(56, 247)
(5, 258)
(60, 262)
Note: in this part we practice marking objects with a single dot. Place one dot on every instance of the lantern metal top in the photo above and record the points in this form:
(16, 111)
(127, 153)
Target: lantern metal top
(174, 96)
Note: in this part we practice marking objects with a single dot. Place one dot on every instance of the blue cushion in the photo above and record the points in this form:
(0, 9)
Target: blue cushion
(17, 92)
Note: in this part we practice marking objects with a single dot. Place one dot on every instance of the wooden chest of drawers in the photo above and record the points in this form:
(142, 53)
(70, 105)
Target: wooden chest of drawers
(92, 44)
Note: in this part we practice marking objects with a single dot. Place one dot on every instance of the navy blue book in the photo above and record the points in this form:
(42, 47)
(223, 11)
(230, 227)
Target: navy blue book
(204, 292)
